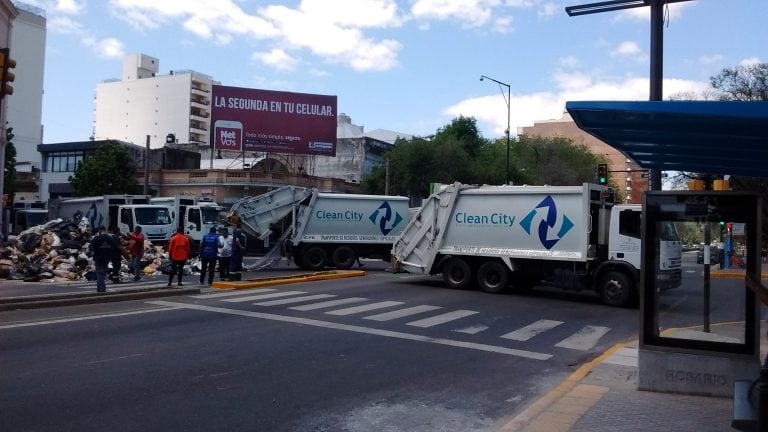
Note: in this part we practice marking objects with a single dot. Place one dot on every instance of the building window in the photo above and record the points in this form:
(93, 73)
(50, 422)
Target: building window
(63, 161)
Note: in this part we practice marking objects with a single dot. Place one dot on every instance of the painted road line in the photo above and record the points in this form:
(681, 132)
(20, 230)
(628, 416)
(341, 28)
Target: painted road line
(294, 300)
(228, 294)
(364, 308)
(263, 296)
(441, 319)
(475, 329)
(584, 339)
(363, 330)
(84, 318)
(386, 316)
(327, 304)
(529, 331)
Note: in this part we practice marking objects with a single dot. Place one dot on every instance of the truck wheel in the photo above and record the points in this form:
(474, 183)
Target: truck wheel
(492, 277)
(314, 258)
(457, 274)
(344, 257)
(617, 289)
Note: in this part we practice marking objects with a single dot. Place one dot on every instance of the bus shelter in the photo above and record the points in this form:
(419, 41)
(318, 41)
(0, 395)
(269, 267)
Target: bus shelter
(702, 337)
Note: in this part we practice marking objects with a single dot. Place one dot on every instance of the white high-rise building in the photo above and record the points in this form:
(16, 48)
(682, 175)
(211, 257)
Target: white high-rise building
(25, 105)
(144, 103)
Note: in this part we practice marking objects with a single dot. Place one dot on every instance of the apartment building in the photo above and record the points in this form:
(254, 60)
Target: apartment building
(144, 103)
(25, 106)
(624, 172)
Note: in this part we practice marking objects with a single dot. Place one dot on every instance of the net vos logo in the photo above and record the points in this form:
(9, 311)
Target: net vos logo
(229, 135)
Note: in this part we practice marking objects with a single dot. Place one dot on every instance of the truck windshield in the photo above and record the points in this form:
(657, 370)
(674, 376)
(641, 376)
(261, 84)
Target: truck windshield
(669, 232)
(152, 216)
(210, 215)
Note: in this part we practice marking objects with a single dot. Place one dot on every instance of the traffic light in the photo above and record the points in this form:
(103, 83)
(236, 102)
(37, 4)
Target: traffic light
(602, 174)
(6, 76)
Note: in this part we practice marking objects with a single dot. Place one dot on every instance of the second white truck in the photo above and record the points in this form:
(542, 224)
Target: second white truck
(497, 236)
(195, 215)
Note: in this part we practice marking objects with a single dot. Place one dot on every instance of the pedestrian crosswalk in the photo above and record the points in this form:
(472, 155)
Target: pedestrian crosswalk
(422, 316)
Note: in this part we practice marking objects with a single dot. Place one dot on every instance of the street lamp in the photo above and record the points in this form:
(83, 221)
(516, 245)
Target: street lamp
(507, 99)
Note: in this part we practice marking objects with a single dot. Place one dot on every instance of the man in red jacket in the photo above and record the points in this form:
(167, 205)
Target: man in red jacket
(178, 252)
(136, 248)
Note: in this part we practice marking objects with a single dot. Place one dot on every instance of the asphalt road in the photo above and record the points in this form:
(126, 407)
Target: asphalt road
(413, 356)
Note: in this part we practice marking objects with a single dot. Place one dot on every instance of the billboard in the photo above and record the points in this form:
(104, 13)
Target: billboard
(253, 120)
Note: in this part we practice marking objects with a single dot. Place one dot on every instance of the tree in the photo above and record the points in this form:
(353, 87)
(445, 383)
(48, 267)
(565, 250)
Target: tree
(458, 152)
(108, 171)
(746, 83)
(743, 83)
(9, 180)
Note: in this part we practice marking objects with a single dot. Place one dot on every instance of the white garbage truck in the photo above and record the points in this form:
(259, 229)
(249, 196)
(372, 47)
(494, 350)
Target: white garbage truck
(325, 229)
(197, 215)
(500, 236)
(122, 211)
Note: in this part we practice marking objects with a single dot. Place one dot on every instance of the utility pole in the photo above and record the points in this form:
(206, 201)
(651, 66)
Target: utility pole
(146, 168)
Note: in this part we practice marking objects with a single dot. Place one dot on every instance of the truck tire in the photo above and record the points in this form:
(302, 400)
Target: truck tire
(617, 289)
(343, 257)
(492, 277)
(457, 274)
(314, 258)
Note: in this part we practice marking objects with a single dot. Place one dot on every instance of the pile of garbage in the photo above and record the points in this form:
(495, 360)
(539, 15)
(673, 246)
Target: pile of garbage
(58, 251)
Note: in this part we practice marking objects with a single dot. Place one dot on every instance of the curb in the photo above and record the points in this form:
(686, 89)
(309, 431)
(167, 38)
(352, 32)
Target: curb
(284, 280)
(529, 416)
(15, 303)
(731, 275)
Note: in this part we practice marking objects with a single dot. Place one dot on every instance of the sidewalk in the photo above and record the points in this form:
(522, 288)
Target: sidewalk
(602, 396)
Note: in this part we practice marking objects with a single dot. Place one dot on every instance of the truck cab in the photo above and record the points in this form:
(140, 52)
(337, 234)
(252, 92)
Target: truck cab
(196, 215)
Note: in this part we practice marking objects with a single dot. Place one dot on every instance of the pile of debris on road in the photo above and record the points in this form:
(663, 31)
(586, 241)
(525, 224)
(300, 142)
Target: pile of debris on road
(58, 251)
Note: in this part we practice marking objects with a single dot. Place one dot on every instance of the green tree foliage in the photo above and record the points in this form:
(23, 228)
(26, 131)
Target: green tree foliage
(458, 152)
(110, 170)
(9, 179)
(746, 83)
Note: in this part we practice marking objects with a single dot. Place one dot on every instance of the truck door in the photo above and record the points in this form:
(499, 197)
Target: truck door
(193, 223)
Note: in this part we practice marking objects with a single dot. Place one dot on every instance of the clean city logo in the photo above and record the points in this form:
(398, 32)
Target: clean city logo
(385, 219)
(546, 214)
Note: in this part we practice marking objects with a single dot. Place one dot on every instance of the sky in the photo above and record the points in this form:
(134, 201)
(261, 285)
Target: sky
(405, 65)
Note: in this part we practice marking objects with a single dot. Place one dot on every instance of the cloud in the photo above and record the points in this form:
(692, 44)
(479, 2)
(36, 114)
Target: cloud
(750, 61)
(329, 29)
(710, 59)
(525, 109)
(71, 7)
(64, 25)
(109, 48)
(548, 10)
(470, 13)
(630, 50)
(672, 11)
(278, 59)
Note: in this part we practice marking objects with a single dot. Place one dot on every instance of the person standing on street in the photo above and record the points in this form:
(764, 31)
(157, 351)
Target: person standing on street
(209, 246)
(225, 254)
(103, 247)
(136, 248)
(238, 249)
(179, 252)
(117, 257)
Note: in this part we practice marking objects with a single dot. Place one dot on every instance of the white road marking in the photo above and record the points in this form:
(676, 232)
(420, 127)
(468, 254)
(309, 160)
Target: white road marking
(85, 318)
(294, 300)
(529, 331)
(475, 329)
(364, 330)
(441, 319)
(386, 316)
(364, 308)
(584, 339)
(230, 293)
(327, 304)
(263, 296)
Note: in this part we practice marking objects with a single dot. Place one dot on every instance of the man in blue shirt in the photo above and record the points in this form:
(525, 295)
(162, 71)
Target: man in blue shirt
(208, 248)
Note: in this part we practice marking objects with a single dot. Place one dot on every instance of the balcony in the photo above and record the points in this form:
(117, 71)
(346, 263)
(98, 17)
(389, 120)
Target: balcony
(200, 92)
